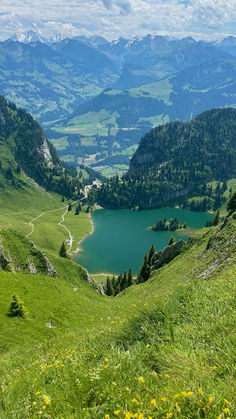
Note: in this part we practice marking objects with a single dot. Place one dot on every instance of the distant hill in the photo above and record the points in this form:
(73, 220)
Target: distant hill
(50, 81)
(108, 127)
(24, 150)
(177, 160)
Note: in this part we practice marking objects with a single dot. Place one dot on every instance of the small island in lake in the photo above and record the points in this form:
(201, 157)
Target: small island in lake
(168, 225)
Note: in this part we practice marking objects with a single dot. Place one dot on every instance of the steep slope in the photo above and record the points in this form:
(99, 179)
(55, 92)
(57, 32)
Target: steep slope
(24, 148)
(164, 348)
(176, 159)
(106, 127)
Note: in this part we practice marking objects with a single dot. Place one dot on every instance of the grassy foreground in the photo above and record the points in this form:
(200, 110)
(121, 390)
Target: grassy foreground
(163, 349)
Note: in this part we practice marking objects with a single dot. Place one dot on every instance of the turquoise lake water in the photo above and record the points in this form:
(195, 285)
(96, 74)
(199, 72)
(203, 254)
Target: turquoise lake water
(121, 237)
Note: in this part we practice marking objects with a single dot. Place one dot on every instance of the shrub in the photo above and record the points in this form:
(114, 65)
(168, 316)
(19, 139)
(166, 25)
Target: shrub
(16, 308)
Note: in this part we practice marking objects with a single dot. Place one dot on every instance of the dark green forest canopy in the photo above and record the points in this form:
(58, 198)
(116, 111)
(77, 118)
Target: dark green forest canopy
(176, 160)
(24, 147)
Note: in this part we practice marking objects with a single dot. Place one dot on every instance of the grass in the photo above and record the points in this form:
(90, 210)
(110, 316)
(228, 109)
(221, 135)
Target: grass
(31, 202)
(161, 349)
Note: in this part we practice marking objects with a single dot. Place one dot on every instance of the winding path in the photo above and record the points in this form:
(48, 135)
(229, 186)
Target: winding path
(60, 223)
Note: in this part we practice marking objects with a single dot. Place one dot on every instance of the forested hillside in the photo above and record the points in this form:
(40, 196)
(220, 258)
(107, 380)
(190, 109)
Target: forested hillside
(176, 160)
(24, 149)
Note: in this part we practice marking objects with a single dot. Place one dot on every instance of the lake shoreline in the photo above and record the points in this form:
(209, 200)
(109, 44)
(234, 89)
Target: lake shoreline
(79, 248)
(119, 238)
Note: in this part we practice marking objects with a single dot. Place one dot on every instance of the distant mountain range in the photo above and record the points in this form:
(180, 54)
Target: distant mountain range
(97, 98)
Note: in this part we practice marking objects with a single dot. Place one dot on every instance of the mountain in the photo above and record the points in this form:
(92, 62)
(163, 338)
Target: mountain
(85, 58)
(227, 44)
(24, 150)
(51, 81)
(151, 58)
(177, 160)
(105, 131)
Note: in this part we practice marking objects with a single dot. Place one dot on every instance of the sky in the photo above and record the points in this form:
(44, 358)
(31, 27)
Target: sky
(201, 19)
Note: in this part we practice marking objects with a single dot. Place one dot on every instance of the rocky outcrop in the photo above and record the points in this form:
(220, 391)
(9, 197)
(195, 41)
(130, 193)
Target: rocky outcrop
(166, 255)
(34, 261)
(5, 261)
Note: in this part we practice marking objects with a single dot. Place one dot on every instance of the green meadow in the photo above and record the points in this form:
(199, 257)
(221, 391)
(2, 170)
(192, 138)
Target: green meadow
(162, 349)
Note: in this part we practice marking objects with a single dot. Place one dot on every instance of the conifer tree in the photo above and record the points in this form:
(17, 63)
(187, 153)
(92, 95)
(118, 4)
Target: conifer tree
(77, 210)
(231, 205)
(63, 252)
(144, 271)
(216, 219)
(130, 278)
(108, 287)
(171, 241)
(16, 308)
(152, 251)
(124, 281)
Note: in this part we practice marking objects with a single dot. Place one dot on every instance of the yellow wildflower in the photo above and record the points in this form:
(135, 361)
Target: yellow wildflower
(169, 415)
(106, 359)
(95, 356)
(141, 380)
(226, 410)
(187, 393)
(135, 401)
(37, 393)
(226, 401)
(114, 384)
(107, 416)
(133, 305)
(214, 367)
(153, 402)
(210, 399)
(199, 390)
(177, 395)
(163, 399)
(147, 346)
(167, 376)
(46, 399)
(105, 366)
(116, 412)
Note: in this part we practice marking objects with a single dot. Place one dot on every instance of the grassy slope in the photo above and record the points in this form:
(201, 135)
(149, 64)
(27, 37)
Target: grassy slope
(31, 202)
(161, 349)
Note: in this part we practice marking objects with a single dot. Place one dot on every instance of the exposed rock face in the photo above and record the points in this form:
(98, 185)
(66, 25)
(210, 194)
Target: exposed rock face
(44, 149)
(166, 255)
(5, 261)
(35, 262)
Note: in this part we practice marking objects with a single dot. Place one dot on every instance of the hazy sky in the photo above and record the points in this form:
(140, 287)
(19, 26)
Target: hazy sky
(114, 18)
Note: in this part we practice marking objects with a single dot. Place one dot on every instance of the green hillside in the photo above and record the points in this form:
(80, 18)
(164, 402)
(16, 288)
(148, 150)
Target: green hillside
(178, 160)
(164, 348)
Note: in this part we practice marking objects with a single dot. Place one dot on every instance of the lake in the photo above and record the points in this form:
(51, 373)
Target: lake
(121, 237)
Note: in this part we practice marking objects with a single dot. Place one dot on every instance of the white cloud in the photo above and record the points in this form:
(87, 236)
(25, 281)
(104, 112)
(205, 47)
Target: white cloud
(126, 18)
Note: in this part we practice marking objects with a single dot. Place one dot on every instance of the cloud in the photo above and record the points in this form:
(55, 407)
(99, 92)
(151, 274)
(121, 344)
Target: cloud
(126, 18)
(124, 5)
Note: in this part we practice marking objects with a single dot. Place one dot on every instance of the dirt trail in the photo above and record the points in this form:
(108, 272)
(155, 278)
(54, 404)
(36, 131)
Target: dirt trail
(60, 223)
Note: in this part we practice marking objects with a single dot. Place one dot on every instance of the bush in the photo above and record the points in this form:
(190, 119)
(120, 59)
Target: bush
(16, 308)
